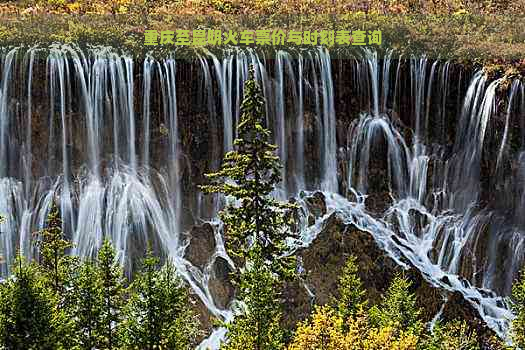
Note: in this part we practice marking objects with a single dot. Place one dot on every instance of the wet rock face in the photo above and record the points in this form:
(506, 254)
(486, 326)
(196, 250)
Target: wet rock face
(297, 303)
(220, 286)
(206, 319)
(201, 246)
(316, 206)
(200, 252)
(324, 259)
(456, 307)
(322, 262)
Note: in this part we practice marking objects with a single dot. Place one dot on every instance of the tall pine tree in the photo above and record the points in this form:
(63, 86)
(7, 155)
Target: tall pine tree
(258, 326)
(26, 311)
(58, 268)
(85, 306)
(112, 282)
(351, 294)
(256, 226)
(53, 247)
(399, 307)
(158, 312)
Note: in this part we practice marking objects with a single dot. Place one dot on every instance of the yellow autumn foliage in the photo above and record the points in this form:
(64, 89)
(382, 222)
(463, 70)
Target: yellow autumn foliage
(389, 338)
(325, 331)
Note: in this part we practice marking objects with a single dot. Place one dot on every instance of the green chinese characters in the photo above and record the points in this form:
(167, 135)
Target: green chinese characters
(262, 37)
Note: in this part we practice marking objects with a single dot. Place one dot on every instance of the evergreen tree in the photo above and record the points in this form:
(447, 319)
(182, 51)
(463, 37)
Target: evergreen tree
(256, 227)
(351, 298)
(53, 247)
(158, 313)
(398, 308)
(86, 304)
(258, 327)
(26, 311)
(112, 281)
(57, 268)
(250, 173)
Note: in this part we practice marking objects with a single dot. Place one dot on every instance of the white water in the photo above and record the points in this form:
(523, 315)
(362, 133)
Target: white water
(115, 158)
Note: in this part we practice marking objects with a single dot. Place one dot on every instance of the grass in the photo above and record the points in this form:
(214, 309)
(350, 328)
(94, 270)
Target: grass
(484, 32)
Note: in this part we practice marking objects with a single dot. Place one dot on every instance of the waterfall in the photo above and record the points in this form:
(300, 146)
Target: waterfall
(329, 149)
(121, 144)
(299, 125)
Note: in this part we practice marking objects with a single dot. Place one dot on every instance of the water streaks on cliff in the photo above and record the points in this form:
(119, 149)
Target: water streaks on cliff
(424, 154)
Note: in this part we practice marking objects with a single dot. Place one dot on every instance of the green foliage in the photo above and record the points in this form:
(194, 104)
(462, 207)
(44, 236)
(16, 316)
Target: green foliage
(56, 269)
(249, 174)
(63, 323)
(95, 301)
(256, 227)
(452, 335)
(58, 303)
(26, 311)
(85, 306)
(158, 312)
(53, 247)
(398, 308)
(351, 297)
(518, 307)
(258, 327)
(112, 281)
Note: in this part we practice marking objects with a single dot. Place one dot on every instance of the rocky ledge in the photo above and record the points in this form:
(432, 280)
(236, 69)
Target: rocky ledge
(323, 261)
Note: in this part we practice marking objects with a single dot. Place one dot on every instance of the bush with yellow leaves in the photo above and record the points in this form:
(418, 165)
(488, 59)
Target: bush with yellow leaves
(325, 332)
(394, 324)
(388, 338)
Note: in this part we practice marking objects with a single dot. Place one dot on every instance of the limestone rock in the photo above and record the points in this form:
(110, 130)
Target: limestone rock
(457, 308)
(324, 259)
(206, 319)
(202, 245)
(316, 206)
(220, 286)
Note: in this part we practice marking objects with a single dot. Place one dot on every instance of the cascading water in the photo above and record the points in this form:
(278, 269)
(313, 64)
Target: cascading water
(121, 145)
